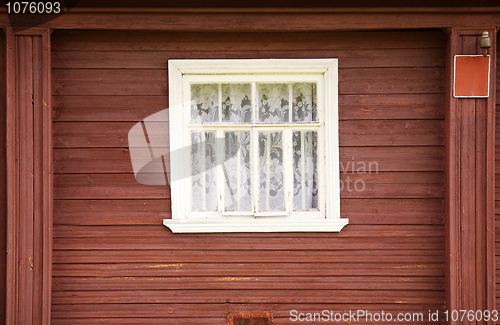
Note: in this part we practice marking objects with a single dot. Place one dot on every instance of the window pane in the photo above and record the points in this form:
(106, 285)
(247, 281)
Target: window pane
(271, 171)
(305, 167)
(236, 103)
(203, 161)
(304, 102)
(237, 171)
(273, 103)
(204, 103)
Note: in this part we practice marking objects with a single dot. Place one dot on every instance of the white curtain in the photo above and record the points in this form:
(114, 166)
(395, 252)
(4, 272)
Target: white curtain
(236, 107)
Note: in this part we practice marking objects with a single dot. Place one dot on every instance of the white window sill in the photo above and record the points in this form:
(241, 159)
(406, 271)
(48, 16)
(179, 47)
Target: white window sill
(255, 225)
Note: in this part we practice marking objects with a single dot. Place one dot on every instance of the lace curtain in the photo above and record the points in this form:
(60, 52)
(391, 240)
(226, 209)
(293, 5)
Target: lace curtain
(273, 105)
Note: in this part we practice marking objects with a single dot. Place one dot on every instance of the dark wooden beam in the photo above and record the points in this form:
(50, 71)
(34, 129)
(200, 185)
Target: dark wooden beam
(244, 20)
(29, 177)
(470, 172)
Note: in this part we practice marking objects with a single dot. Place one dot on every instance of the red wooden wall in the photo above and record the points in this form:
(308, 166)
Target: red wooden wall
(115, 262)
(3, 177)
(497, 189)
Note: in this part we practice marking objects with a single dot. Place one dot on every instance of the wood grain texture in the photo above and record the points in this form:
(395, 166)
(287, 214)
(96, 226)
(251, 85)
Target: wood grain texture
(111, 252)
(29, 182)
(497, 192)
(241, 21)
(3, 177)
(470, 189)
(188, 311)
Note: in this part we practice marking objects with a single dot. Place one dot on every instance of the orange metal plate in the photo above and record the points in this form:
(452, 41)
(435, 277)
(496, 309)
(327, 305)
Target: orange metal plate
(472, 76)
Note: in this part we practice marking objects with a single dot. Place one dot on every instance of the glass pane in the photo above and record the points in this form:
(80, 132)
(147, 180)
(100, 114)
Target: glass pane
(204, 103)
(305, 167)
(273, 103)
(203, 161)
(237, 171)
(271, 171)
(236, 103)
(304, 102)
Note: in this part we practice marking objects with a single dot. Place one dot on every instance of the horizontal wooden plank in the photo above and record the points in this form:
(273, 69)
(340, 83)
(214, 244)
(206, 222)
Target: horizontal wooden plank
(105, 186)
(351, 58)
(138, 82)
(109, 102)
(402, 217)
(91, 134)
(390, 106)
(109, 76)
(209, 320)
(395, 218)
(117, 87)
(99, 113)
(255, 21)
(357, 185)
(244, 283)
(159, 41)
(248, 296)
(352, 133)
(158, 231)
(237, 256)
(152, 310)
(363, 173)
(139, 320)
(372, 159)
(393, 158)
(139, 207)
(102, 218)
(92, 160)
(152, 212)
(391, 81)
(248, 269)
(351, 107)
(391, 133)
(363, 184)
(211, 242)
(393, 211)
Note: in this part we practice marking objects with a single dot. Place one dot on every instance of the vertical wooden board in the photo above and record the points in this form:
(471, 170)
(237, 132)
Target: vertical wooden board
(11, 150)
(490, 170)
(28, 160)
(3, 180)
(37, 173)
(452, 208)
(467, 141)
(471, 189)
(25, 102)
(496, 70)
(47, 177)
(481, 203)
(467, 204)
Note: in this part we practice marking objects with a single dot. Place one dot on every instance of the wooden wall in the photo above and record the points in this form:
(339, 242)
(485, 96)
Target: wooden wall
(115, 262)
(3, 178)
(497, 189)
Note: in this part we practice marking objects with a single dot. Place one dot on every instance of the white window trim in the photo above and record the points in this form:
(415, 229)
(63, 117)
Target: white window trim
(328, 69)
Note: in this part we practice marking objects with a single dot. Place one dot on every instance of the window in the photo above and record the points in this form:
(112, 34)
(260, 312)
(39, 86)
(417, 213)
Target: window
(254, 146)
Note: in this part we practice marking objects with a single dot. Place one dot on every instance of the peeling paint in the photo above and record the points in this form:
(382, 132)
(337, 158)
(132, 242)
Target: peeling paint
(410, 267)
(233, 279)
(159, 265)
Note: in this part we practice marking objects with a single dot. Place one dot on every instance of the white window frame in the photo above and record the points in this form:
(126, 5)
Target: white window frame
(322, 71)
